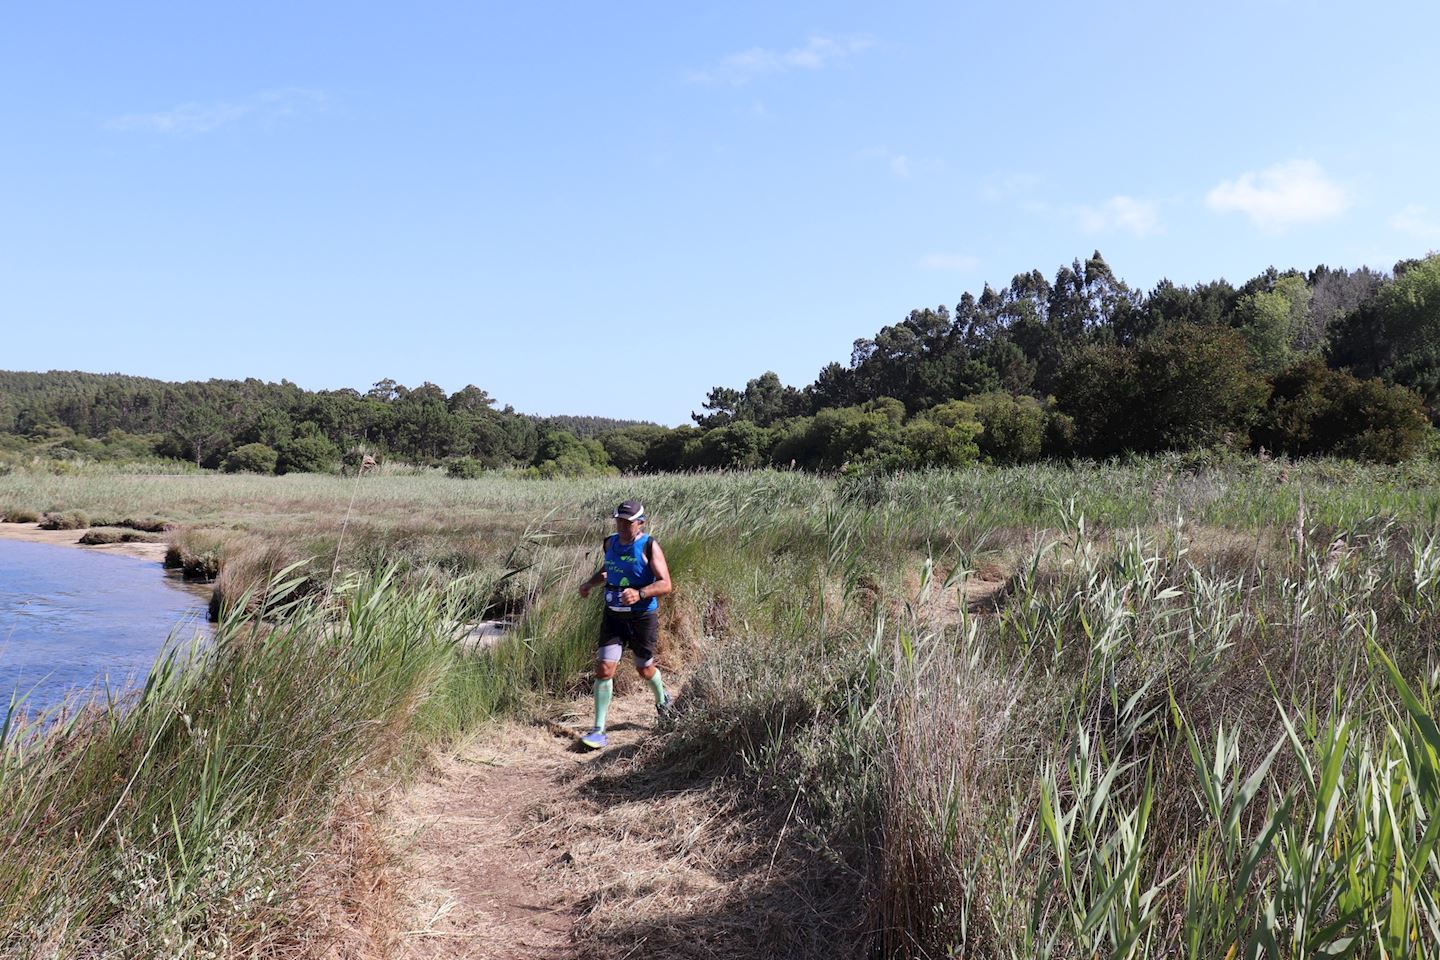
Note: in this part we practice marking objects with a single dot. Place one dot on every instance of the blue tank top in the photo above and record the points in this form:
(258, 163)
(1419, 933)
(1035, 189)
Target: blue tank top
(626, 565)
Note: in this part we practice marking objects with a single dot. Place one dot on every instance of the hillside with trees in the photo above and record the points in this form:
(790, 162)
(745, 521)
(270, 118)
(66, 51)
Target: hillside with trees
(264, 427)
(1330, 362)
(1333, 361)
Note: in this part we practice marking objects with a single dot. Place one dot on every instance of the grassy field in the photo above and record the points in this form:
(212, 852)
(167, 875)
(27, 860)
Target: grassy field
(1196, 718)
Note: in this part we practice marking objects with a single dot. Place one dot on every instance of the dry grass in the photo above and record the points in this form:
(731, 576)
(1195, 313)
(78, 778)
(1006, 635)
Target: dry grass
(65, 520)
(694, 869)
(347, 903)
(940, 829)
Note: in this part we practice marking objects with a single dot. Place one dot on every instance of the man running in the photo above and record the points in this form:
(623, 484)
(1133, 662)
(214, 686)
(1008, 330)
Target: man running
(634, 574)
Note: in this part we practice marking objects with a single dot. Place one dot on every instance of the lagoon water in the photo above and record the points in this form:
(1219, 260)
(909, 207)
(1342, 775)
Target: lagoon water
(73, 619)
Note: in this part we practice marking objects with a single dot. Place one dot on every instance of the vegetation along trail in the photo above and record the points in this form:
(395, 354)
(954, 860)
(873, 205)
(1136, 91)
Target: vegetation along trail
(1171, 707)
(523, 844)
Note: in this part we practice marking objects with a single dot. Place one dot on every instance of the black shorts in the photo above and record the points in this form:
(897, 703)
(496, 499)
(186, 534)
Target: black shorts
(640, 633)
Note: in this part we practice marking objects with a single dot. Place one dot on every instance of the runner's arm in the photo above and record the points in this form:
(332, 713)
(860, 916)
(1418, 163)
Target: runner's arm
(660, 586)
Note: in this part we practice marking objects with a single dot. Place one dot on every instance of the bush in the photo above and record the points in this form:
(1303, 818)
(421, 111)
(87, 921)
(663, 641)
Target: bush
(677, 449)
(1015, 428)
(837, 436)
(1184, 387)
(739, 445)
(943, 436)
(21, 515)
(94, 538)
(251, 458)
(629, 449)
(1314, 410)
(562, 454)
(306, 455)
(464, 468)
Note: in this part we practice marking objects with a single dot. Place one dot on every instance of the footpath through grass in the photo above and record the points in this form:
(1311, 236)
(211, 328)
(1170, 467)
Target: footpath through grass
(1197, 720)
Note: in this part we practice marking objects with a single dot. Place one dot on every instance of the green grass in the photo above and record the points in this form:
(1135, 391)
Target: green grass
(1200, 722)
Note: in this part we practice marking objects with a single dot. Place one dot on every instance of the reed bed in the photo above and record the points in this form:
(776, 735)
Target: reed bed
(1197, 719)
(182, 821)
(1156, 746)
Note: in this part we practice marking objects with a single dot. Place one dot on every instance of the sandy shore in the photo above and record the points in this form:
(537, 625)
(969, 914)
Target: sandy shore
(31, 533)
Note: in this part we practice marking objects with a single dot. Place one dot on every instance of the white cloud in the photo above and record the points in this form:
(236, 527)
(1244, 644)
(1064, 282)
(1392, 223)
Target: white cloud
(1140, 217)
(197, 118)
(1022, 187)
(1417, 221)
(1296, 191)
(1119, 213)
(817, 53)
(950, 262)
(900, 165)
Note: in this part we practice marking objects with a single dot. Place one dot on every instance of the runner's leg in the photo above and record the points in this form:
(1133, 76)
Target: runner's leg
(646, 638)
(604, 686)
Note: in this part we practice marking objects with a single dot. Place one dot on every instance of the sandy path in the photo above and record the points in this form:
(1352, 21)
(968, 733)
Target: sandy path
(31, 533)
(484, 880)
(522, 846)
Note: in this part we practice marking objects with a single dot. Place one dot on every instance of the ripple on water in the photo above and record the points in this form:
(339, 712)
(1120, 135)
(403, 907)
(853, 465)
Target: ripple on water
(71, 619)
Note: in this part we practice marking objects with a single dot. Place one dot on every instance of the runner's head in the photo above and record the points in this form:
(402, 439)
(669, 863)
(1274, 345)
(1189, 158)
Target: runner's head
(629, 518)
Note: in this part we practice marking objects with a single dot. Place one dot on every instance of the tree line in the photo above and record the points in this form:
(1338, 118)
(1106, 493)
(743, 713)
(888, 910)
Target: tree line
(1331, 361)
(279, 427)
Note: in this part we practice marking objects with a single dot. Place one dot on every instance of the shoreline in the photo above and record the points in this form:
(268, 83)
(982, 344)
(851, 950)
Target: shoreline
(31, 533)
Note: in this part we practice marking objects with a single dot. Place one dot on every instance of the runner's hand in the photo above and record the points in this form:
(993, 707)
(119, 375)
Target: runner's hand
(629, 596)
(585, 589)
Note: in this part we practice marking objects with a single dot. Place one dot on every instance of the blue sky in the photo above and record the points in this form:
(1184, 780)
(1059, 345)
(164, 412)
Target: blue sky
(608, 209)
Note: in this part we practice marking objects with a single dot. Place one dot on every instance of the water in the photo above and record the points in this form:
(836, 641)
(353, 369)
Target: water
(71, 619)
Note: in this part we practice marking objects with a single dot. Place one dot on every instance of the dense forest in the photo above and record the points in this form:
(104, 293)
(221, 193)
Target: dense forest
(1332, 361)
(269, 427)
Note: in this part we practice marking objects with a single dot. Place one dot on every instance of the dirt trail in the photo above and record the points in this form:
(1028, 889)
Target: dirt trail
(479, 888)
(524, 847)
(488, 876)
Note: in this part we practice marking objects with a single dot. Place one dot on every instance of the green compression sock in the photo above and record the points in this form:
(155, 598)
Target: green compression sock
(658, 686)
(604, 690)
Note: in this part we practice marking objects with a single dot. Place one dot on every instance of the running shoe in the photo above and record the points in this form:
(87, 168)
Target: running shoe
(595, 739)
(666, 708)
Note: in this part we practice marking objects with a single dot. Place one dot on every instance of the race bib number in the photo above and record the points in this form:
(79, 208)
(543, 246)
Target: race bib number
(612, 598)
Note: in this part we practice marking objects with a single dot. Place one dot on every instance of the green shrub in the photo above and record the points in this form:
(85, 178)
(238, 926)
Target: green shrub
(740, 445)
(629, 449)
(21, 515)
(562, 454)
(306, 455)
(1315, 410)
(464, 468)
(1015, 428)
(1184, 387)
(251, 458)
